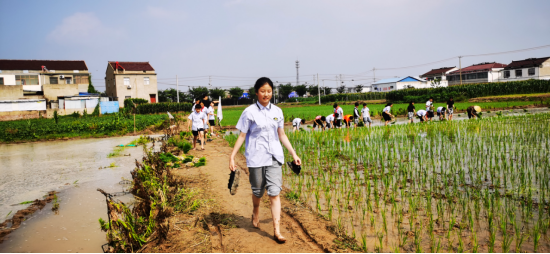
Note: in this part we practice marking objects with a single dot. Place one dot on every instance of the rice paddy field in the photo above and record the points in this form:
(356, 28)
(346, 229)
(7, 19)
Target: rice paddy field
(309, 112)
(453, 186)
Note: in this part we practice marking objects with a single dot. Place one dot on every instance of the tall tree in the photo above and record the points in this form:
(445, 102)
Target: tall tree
(236, 92)
(341, 89)
(216, 93)
(313, 90)
(198, 92)
(285, 90)
(91, 88)
(358, 88)
(252, 93)
(301, 90)
(326, 90)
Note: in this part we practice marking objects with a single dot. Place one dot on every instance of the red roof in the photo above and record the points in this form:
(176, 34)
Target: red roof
(437, 71)
(482, 67)
(133, 66)
(10, 64)
(529, 62)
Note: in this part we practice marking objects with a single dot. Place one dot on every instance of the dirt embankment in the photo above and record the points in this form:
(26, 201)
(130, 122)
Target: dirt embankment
(223, 223)
(14, 223)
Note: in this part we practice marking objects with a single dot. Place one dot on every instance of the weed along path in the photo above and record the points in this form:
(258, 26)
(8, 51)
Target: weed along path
(228, 218)
(74, 169)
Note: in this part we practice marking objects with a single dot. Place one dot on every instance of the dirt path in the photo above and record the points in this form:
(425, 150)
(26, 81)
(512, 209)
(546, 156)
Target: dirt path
(229, 224)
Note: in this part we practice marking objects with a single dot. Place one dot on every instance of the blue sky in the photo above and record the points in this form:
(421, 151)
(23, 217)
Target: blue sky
(237, 41)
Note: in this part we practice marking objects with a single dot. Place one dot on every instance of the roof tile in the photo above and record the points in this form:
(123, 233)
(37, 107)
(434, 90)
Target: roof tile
(529, 62)
(133, 66)
(12, 64)
(482, 67)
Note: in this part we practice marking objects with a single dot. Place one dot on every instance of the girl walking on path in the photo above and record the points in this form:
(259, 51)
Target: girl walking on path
(386, 113)
(262, 127)
(196, 124)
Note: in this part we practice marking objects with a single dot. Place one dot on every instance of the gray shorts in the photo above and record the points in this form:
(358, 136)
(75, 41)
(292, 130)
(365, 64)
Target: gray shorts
(450, 110)
(411, 115)
(367, 120)
(270, 178)
(356, 120)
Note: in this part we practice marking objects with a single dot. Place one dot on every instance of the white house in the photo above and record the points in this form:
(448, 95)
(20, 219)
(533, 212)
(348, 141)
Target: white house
(531, 68)
(440, 74)
(386, 85)
(477, 73)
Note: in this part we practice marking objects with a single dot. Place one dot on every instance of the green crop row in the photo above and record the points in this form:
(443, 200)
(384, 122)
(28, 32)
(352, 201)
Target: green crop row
(35, 129)
(137, 101)
(163, 107)
(344, 97)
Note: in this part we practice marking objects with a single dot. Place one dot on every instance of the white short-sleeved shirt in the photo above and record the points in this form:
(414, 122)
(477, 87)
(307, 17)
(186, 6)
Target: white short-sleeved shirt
(211, 113)
(197, 120)
(329, 118)
(340, 112)
(365, 112)
(440, 110)
(262, 139)
(421, 113)
(297, 122)
(428, 105)
(386, 109)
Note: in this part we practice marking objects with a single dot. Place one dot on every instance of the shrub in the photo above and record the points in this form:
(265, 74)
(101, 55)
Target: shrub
(137, 101)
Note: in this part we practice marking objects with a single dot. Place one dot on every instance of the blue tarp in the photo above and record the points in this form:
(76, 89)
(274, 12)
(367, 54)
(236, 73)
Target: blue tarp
(245, 95)
(108, 107)
(293, 94)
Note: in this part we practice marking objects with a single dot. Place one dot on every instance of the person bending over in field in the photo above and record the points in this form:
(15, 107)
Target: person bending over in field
(430, 108)
(365, 115)
(450, 107)
(196, 124)
(296, 123)
(386, 113)
(472, 111)
(338, 115)
(347, 120)
(330, 121)
(319, 120)
(442, 113)
(422, 115)
(411, 111)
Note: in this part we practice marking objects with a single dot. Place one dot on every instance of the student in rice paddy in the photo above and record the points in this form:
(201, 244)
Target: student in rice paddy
(347, 120)
(365, 115)
(422, 115)
(356, 114)
(411, 111)
(338, 115)
(442, 113)
(386, 114)
(330, 121)
(430, 108)
(450, 107)
(262, 130)
(296, 123)
(472, 111)
(319, 121)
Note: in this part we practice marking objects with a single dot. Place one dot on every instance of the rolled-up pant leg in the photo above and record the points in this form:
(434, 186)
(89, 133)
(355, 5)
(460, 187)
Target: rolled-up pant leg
(266, 178)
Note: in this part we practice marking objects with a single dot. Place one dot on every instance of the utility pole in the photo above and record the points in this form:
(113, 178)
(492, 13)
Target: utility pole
(297, 73)
(373, 75)
(318, 89)
(460, 68)
(177, 89)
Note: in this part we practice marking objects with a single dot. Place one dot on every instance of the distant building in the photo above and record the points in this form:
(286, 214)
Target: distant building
(391, 84)
(440, 74)
(40, 77)
(531, 68)
(125, 80)
(477, 73)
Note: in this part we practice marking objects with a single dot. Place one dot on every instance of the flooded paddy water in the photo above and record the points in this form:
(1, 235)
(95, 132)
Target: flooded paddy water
(75, 169)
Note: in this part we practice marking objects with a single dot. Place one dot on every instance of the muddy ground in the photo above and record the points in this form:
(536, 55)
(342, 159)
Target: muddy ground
(223, 223)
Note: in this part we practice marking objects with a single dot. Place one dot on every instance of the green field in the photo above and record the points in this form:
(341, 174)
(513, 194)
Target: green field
(309, 112)
(69, 126)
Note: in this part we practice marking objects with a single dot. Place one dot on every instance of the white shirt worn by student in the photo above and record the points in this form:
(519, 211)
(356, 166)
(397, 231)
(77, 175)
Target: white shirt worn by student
(262, 139)
(329, 118)
(197, 120)
(386, 109)
(421, 113)
(440, 110)
(428, 105)
(211, 113)
(297, 122)
(340, 112)
(365, 112)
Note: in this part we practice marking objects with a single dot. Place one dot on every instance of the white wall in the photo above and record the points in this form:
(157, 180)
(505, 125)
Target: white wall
(525, 75)
(9, 79)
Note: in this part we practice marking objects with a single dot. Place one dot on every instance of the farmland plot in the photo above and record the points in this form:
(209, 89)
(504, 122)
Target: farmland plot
(460, 186)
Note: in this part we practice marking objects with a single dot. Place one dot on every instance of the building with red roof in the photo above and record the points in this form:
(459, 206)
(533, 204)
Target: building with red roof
(125, 80)
(477, 73)
(438, 74)
(530, 68)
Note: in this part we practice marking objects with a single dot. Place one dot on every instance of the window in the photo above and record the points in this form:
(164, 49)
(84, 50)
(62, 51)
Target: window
(68, 80)
(81, 79)
(482, 75)
(531, 71)
(1, 80)
(146, 80)
(506, 74)
(127, 97)
(54, 80)
(26, 79)
(126, 81)
(518, 73)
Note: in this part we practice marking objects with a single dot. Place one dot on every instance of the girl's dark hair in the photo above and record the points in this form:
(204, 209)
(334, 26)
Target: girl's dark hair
(411, 103)
(357, 104)
(389, 104)
(336, 115)
(364, 104)
(303, 121)
(335, 105)
(261, 82)
(323, 118)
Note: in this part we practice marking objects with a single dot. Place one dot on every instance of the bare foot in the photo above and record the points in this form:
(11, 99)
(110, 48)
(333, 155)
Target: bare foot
(279, 238)
(194, 149)
(255, 224)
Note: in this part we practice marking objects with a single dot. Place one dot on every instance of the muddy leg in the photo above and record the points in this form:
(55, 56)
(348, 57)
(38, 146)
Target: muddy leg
(256, 211)
(276, 213)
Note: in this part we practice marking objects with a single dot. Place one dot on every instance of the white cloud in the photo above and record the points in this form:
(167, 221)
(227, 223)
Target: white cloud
(85, 29)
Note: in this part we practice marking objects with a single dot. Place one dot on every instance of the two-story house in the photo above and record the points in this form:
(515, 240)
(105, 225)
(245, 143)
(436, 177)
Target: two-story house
(125, 80)
(531, 68)
(439, 74)
(477, 73)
